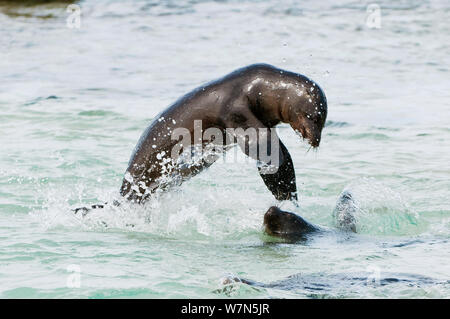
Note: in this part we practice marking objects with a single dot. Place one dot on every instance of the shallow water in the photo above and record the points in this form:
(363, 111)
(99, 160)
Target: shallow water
(73, 103)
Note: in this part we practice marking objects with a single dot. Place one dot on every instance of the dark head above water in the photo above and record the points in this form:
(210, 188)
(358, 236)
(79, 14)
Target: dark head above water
(286, 225)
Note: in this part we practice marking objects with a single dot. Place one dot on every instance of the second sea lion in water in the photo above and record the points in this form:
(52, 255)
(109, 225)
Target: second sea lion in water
(292, 227)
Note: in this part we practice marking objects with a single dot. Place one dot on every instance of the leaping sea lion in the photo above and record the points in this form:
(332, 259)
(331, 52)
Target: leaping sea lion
(259, 97)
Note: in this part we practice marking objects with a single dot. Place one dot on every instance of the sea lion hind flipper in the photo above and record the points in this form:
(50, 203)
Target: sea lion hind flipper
(345, 212)
(84, 210)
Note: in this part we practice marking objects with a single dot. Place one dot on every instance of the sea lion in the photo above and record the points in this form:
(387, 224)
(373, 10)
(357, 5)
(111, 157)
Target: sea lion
(324, 283)
(292, 227)
(258, 96)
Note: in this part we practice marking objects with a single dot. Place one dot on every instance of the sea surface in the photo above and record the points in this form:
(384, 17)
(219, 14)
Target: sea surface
(74, 101)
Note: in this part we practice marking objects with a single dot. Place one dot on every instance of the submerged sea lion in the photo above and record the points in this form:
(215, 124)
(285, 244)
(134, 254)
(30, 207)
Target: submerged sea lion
(258, 96)
(322, 283)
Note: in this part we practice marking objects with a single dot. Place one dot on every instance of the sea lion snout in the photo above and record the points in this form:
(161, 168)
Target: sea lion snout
(315, 138)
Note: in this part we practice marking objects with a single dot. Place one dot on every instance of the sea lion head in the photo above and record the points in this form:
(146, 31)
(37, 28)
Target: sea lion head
(306, 111)
(284, 224)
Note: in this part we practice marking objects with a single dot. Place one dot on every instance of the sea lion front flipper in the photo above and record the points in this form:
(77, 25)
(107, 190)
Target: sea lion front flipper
(277, 172)
(281, 183)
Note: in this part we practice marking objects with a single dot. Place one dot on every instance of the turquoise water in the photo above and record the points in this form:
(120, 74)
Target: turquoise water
(73, 103)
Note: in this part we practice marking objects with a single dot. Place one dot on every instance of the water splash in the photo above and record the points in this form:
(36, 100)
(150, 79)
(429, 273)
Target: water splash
(380, 210)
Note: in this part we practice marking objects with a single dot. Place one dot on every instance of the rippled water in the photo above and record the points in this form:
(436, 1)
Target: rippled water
(73, 103)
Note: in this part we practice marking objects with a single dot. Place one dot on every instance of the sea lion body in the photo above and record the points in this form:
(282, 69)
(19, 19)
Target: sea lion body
(259, 96)
(323, 283)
